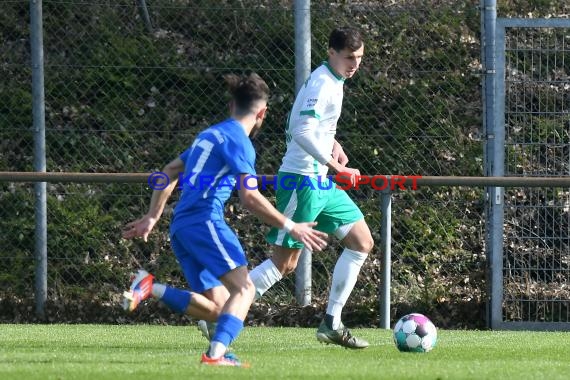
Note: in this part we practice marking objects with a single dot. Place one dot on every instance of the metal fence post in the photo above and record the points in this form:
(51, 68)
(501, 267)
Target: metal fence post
(38, 107)
(386, 264)
(145, 15)
(494, 159)
(302, 11)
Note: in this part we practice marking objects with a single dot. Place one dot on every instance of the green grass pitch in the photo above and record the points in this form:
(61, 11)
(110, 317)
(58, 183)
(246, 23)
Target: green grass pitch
(173, 352)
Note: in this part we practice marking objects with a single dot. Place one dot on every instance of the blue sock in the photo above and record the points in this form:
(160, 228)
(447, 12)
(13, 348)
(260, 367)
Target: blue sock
(228, 329)
(176, 299)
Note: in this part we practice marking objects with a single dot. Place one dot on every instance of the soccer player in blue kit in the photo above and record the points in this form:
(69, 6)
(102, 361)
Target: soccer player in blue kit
(209, 253)
(313, 151)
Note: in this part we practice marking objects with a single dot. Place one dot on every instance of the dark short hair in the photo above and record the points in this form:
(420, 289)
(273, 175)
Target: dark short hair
(246, 90)
(345, 37)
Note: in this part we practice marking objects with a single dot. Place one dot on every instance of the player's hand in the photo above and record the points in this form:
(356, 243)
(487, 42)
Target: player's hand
(339, 155)
(314, 240)
(139, 228)
(349, 174)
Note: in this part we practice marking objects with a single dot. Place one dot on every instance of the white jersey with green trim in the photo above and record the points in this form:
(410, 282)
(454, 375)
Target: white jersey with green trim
(311, 126)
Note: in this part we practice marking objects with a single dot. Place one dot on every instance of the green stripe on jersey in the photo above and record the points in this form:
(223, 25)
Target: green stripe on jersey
(311, 113)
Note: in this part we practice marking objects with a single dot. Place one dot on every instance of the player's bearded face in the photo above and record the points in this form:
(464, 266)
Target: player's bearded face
(346, 62)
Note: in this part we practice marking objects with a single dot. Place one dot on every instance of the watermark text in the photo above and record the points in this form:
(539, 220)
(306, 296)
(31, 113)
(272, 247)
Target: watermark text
(343, 181)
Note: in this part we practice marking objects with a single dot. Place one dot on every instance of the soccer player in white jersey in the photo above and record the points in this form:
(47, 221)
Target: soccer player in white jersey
(208, 251)
(311, 151)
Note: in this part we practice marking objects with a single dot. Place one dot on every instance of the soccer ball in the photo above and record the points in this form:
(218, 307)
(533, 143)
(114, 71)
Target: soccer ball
(415, 333)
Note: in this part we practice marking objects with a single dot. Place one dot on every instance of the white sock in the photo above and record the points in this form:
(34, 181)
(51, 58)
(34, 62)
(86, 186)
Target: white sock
(217, 349)
(264, 276)
(344, 278)
(158, 290)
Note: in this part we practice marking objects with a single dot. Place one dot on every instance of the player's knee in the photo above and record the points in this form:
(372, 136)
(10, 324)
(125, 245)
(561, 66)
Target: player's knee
(368, 244)
(290, 268)
(286, 266)
(216, 311)
(245, 294)
(247, 289)
(363, 245)
(218, 307)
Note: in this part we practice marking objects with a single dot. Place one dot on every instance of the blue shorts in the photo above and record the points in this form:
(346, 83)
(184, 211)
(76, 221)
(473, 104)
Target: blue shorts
(206, 251)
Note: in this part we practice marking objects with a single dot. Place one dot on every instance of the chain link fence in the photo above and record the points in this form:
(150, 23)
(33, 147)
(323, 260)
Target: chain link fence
(536, 258)
(127, 93)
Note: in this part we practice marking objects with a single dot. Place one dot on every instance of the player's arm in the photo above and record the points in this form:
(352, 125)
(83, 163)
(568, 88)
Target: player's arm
(304, 135)
(255, 202)
(143, 226)
(338, 154)
(160, 197)
(306, 125)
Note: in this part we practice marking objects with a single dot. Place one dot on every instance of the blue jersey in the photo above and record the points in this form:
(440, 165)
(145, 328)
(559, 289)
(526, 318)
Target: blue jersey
(211, 164)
